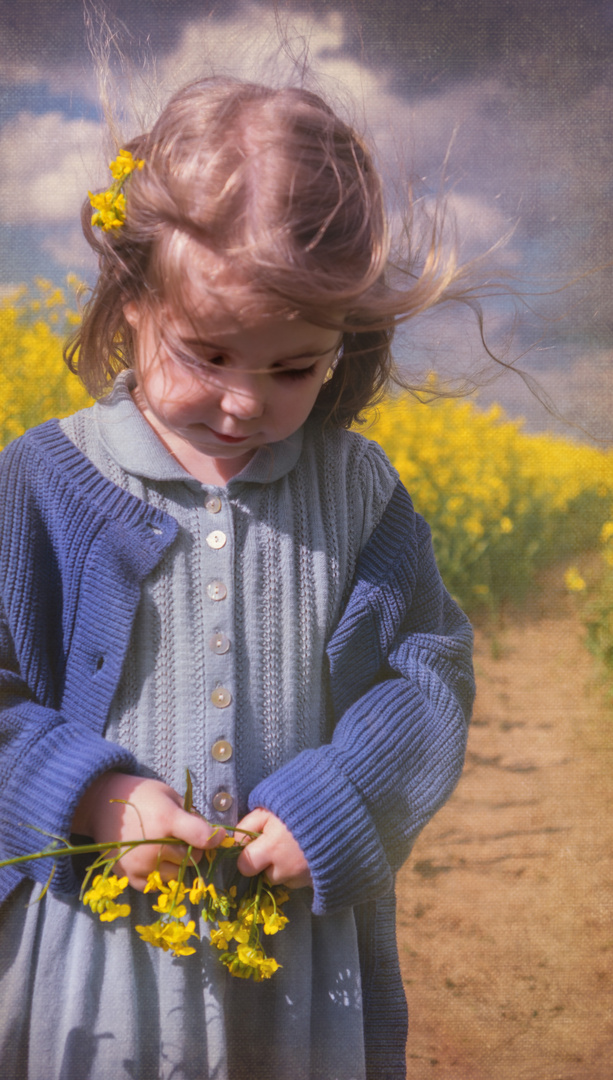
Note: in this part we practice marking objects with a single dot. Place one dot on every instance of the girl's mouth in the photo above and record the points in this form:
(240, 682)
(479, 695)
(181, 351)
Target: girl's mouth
(230, 438)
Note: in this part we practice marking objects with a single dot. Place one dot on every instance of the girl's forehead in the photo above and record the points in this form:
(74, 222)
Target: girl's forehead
(211, 291)
(217, 316)
(211, 296)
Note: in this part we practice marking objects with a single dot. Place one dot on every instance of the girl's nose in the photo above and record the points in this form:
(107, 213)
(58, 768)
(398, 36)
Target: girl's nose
(243, 400)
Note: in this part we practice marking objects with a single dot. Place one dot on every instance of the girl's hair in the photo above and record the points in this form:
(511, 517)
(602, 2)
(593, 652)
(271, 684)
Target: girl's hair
(285, 194)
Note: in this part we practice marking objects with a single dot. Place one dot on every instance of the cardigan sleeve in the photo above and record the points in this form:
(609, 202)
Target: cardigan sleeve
(402, 687)
(46, 764)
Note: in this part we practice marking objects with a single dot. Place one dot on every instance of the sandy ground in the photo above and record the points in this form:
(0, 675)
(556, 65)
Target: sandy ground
(506, 905)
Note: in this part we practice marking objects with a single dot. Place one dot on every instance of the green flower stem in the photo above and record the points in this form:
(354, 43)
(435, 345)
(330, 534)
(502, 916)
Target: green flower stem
(109, 845)
(254, 935)
(180, 877)
(85, 849)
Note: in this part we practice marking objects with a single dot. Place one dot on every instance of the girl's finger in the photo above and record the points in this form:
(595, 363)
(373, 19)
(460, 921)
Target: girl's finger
(193, 830)
(254, 858)
(175, 853)
(253, 822)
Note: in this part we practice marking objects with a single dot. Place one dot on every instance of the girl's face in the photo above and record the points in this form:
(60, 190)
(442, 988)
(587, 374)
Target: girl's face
(243, 387)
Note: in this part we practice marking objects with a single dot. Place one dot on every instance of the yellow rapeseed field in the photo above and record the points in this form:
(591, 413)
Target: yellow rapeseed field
(35, 384)
(500, 502)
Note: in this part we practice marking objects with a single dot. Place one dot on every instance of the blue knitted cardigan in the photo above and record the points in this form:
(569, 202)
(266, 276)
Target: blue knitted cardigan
(74, 550)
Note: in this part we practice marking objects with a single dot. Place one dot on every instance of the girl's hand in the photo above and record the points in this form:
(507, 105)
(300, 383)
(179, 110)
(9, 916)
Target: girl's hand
(275, 851)
(162, 814)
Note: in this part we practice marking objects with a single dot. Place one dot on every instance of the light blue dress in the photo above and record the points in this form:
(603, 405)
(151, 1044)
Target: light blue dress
(227, 646)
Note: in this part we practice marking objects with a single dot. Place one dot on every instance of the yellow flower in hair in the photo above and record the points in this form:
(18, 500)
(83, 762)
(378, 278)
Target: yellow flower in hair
(110, 205)
(124, 164)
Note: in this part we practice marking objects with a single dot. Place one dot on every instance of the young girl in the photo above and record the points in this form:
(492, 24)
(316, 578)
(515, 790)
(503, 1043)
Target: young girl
(207, 570)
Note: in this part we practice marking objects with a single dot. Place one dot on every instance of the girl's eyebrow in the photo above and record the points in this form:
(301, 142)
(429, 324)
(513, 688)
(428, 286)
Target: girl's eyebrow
(304, 354)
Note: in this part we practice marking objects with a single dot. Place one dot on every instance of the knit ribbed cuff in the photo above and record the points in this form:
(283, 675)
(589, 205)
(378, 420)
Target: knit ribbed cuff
(63, 761)
(330, 821)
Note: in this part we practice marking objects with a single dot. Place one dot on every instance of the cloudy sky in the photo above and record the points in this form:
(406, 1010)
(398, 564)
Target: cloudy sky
(508, 103)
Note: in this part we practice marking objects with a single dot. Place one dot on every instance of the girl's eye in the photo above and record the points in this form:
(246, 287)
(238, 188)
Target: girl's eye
(196, 358)
(294, 374)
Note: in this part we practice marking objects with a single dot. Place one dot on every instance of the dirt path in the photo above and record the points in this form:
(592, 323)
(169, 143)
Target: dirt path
(506, 905)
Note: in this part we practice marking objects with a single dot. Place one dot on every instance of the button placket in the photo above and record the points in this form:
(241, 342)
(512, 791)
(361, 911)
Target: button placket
(217, 554)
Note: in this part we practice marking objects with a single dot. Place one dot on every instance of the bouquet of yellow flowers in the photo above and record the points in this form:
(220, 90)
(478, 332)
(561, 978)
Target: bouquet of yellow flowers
(238, 914)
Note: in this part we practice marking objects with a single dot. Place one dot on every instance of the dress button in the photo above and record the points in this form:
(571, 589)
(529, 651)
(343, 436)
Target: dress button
(216, 539)
(221, 697)
(219, 643)
(213, 504)
(222, 800)
(217, 590)
(221, 750)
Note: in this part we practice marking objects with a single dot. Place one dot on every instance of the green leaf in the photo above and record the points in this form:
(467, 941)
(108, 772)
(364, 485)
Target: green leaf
(188, 800)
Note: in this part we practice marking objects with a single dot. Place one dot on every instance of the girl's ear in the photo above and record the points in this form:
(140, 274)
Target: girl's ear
(133, 313)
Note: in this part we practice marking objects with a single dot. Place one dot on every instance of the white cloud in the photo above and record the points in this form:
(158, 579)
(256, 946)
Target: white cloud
(254, 45)
(299, 50)
(48, 163)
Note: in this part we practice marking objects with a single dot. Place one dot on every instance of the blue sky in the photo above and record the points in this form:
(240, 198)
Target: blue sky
(517, 96)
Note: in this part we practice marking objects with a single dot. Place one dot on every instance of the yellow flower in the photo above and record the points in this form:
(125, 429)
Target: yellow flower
(197, 891)
(102, 895)
(176, 934)
(171, 936)
(250, 962)
(235, 967)
(218, 938)
(114, 911)
(124, 164)
(227, 932)
(103, 200)
(249, 956)
(506, 525)
(172, 891)
(573, 580)
(154, 881)
(110, 205)
(231, 931)
(168, 906)
(275, 922)
(268, 966)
